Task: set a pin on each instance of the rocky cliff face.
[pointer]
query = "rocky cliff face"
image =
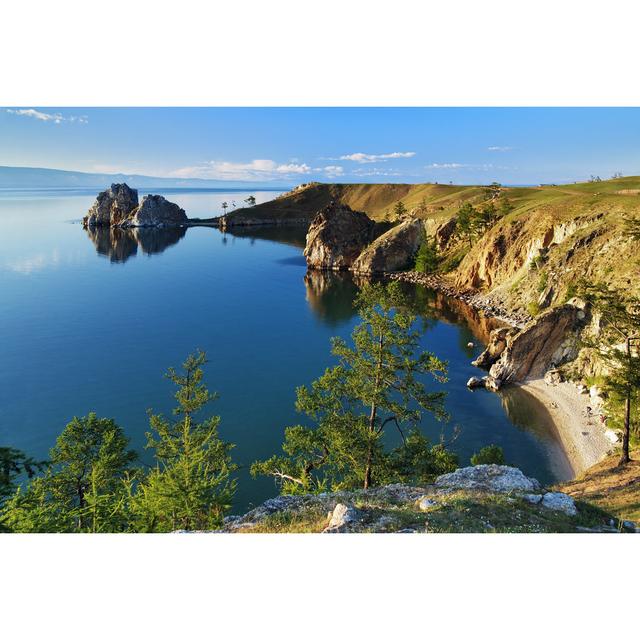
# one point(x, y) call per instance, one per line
point(337, 236)
point(118, 207)
point(112, 207)
point(156, 211)
point(544, 343)
point(394, 250)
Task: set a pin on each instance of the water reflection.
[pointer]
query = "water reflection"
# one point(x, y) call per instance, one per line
point(330, 295)
point(294, 235)
point(121, 244)
point(529, 414)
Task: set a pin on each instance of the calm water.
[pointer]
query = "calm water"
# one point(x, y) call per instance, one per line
point(89, 322)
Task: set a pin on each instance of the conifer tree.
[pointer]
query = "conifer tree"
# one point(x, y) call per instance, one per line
point(376, 386)
point(190, 487)
point(82, 490)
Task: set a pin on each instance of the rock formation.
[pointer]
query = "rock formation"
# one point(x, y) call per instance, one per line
point(518, 502)
point(112, 206)
point(392, 251)
point(156, 211)
point(337, 236)
point(495, 347)
point(118, 206)
point(540, 345)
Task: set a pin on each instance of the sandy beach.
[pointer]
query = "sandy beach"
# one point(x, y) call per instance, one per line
point(583, 436)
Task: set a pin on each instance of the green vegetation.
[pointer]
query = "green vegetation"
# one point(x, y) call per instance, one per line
point(353, 404)
point(92, 484)
point(399, 211)
point(190, 488)
point(533, 308)
point(427, 257)
point(618, 348)
point(493, 454)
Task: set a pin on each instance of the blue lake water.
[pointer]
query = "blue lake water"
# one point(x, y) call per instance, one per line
point(90, 322)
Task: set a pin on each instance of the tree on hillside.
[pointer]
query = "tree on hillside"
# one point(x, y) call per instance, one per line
point(465, 222)
point(83, 490)
point(190, 487)
point(427, 257)
point(250, 201)
point(225, 206)
point(375, 387)
point(619, 348)
point(399, 210)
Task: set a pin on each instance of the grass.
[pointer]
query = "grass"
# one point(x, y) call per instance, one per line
point(610, 487)
point(457, 512)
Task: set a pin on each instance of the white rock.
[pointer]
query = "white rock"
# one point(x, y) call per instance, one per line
point(424, 504)
point(489, 477)
point(474, 382)
point(559, 502)
point(612, 436)
point(470, 344)
point(341, 518)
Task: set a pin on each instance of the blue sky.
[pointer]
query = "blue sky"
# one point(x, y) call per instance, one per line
point(288, 146)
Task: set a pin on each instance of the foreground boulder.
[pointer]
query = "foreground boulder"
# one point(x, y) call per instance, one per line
point(156, 211)
point(394, 250)
point(337, 236)
point(489, 477)
point(112, 206)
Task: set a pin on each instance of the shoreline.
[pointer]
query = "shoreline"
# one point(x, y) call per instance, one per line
point(474, 299)
point(582, 437)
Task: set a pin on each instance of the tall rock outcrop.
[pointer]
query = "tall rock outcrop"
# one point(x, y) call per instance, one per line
point(118, 206)
point(156, 211)
point(337, 236)
point(393, 250)
point(112, 206)
point(543, 343)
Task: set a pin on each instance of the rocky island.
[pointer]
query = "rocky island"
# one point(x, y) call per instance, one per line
point(118, 206)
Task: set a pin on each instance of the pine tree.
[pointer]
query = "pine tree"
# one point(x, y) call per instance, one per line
point(190, 487)
point(618, 348)
point(427, 257)
point(374, 387)
point(83, 488)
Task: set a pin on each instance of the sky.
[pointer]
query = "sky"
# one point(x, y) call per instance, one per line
point(462, 145)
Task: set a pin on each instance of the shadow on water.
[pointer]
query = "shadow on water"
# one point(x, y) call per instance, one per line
point(330, 295)
point(294, 235)
point(121, 244)
point(528, 414)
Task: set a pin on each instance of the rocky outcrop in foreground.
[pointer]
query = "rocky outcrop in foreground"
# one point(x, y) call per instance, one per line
point(484, 498)
point(118, 206)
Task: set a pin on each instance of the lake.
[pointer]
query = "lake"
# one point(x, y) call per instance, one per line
point(90, 321)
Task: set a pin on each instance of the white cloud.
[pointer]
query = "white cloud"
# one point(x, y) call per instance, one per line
point(57, 118)
point(377, 172)
point(363, 158)
point(499, 148)
point(260, 169)
point(333, 171)
point(446, 165)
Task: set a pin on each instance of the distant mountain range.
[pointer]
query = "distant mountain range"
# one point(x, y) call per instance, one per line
point(37, 178)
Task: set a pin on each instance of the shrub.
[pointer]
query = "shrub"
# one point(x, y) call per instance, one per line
point(493, 454)
point(427, 257)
